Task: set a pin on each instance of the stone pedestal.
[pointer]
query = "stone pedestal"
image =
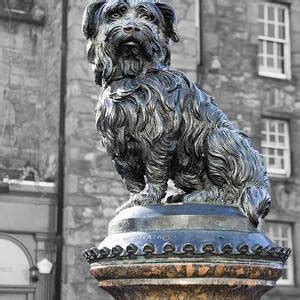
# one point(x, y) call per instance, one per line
point(185, 251)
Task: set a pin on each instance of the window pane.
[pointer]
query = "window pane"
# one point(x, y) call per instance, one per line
point(271, 30)
point(261, 28)
point(280, 49)
point(275, 146)
point(271, 151)
point(275, 231)
point(284, 274)
point(281, 15)
point(261, 8)
point(280, 152)
point(282, 164)
point(270, 62)
point(270, 49)
point(260, 61)
point(281, 127)
point(281, 33)
point(280, 234)
point(281, 139)
point(260, 47)
point(271, 13)
point(280, 64)
point(284, 231)
point(272, 126)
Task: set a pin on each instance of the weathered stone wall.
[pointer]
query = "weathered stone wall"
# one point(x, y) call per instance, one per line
point(29, 91)
point(230, 31)
point(93, 189)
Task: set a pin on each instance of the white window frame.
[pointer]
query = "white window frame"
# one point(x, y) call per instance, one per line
point(264, 70)
point(269, 226)
point(267, 144)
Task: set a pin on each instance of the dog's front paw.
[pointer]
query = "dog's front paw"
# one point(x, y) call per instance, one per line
point(150, 195)
point(196, 196)
point(176, 198)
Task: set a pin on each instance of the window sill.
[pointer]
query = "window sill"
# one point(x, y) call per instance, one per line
point(273, 75)
point(278, 176)
point(30, 186)
point(21, 17)
point(285, 284)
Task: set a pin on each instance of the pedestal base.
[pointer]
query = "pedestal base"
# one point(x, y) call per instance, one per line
point(187, 280)
point(183, 252)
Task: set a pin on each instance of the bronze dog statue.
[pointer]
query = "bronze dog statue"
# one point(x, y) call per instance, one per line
point(157, 125)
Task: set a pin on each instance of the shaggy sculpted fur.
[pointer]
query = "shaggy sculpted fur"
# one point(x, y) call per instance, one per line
point(156, 125)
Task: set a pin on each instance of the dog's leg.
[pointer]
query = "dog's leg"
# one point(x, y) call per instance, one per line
point(157, 173)
point(187, 181)
point(232, 161)
point(132, 173)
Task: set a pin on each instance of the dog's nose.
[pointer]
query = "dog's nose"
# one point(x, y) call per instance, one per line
point(131, 28)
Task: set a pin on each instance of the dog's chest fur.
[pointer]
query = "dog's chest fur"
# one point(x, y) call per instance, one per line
point(133, 114)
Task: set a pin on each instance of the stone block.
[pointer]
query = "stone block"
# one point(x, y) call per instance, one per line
point(190, 47)
point(75, 31)
point(69, 255)
point(85, 107)
point(187, 29)
point(226, 3)
point(80, 70)
point(76, 273)
point(295, 59)
point(242, 35)
point(209, 7)
point(78, 237)
point(181, 8)
point(252, 12)
point(210, 41)
point(72, 183)
point(5, 39)
point(16, 80)
point(32, 82)
point(94, 293)
point(68, 292)
point(191, 13)
point(78, 50)
point(75, 16)
point(184, 62)
point(4, 73)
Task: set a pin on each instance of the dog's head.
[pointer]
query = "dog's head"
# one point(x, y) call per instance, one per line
point(126, 37)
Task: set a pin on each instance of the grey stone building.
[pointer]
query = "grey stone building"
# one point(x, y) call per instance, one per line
point(59, 189)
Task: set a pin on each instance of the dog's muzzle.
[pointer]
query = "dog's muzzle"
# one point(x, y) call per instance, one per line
point(131, 28)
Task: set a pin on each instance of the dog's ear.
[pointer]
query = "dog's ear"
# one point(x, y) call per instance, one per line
point(89, 22)
point(169, 16)
point(91, 54)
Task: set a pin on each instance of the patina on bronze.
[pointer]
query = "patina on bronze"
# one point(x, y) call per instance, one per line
point(157, 125)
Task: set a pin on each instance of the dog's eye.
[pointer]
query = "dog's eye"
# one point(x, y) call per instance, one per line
point(115, 15)
point(147, 17)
